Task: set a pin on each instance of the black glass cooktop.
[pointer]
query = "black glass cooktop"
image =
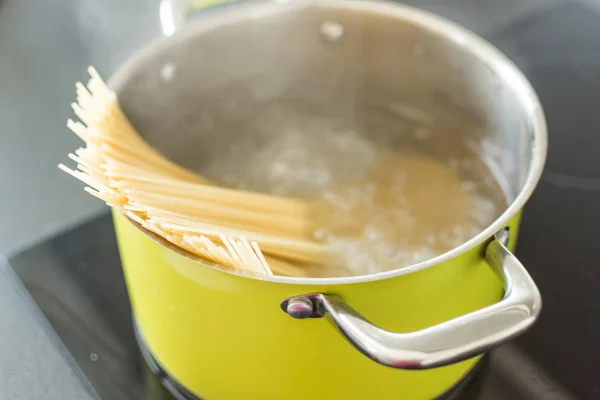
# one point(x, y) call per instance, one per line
point(76, 278)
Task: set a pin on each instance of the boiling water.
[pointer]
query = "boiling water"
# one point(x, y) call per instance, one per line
point(407, 209)
point(382, 201)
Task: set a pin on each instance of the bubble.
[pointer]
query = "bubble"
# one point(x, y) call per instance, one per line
point(332, 31)
point(167, 71)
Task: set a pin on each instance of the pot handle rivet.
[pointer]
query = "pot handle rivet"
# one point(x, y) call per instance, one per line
point(300, 308)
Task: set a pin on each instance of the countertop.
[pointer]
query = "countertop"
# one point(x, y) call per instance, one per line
point(45, 47)
point(34, 362)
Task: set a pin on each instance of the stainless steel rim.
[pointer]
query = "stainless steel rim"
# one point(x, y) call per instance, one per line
point(497, 62)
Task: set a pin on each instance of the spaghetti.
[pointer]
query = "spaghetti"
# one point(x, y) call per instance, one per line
point(121, 169)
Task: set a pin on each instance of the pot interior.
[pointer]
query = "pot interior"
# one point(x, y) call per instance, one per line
point(215, 97)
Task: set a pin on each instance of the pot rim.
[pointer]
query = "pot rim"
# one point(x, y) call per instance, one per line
point(486, 52)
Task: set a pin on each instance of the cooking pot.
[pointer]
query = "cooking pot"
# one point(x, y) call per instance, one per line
point(413, 332)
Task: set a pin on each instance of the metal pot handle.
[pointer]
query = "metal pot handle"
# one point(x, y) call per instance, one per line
point(174, 13)
point(446, 343)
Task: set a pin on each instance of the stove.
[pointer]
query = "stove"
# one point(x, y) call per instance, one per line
point(76, 279)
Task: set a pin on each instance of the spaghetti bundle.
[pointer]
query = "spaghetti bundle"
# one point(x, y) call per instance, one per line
point(227, 226)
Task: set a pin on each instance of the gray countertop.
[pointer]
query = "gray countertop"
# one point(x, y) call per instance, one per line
point(34, 362)
point(45, 46)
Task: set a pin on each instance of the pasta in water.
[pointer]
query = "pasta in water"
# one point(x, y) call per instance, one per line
point(405, 208)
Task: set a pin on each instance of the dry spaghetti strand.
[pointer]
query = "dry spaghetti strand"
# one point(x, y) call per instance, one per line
point(226, 226)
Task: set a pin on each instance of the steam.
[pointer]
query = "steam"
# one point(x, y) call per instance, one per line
point(114, 29)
